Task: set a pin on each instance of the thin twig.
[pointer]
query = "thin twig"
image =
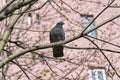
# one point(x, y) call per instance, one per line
point(91, 48)
point(51, 68)
point(58, 10)
point(104, 56)
point(104, 41)
point(17, 63)
point(97, 16)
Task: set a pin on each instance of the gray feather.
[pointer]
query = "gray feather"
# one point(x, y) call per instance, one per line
point(57, 34)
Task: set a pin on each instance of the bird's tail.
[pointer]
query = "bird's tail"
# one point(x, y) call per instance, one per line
point(58, 51)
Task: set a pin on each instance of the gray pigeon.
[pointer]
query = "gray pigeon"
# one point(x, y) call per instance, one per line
point(57, 34)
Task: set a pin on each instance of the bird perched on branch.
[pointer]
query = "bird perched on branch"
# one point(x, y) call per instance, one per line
point(57, 34)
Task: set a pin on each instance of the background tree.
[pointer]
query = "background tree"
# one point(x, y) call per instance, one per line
point(25, 47)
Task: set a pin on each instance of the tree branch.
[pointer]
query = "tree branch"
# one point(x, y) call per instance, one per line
point(104, 56)
point(13, 7)
point(10, 27)
point(8, 4)
point(91, 48)
point(104, 41)
point(97, 16)
point(2, 63)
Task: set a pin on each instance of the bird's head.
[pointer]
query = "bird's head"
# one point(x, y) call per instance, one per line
point(60, 23)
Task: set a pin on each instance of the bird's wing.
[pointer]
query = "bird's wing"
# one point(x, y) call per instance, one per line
point(56, 34)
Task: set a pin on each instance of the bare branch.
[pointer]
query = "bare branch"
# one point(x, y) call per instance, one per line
point(9, 28)
point(104, 56)
point(13, 7)
point(57, 43)
point(97, 16)
point(8, 4)
point(91, 48)
point(22, 69)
